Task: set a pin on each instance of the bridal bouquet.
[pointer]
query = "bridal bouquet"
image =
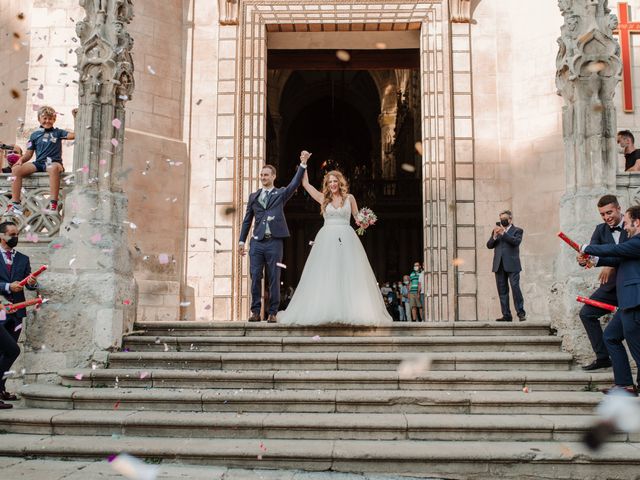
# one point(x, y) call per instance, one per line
point(365, 218)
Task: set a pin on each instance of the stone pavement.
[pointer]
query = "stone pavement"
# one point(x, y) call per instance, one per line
point(21, 469)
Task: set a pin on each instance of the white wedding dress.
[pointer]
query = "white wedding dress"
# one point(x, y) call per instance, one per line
point(337, 283)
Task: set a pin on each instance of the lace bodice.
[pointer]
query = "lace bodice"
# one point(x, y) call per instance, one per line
point(338, 216)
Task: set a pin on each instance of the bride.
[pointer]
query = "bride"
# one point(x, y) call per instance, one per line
point(337, 284)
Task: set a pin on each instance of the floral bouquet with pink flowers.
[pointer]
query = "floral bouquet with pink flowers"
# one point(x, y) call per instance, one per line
point(364, 219)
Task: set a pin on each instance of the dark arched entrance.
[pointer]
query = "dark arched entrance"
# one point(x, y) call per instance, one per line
point(334, 115)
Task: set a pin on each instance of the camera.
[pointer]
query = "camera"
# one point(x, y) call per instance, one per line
point(4, 146)
point(497, 224)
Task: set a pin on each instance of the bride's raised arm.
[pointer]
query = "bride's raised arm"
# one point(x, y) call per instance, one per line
point(311, 190)
point(354, 207)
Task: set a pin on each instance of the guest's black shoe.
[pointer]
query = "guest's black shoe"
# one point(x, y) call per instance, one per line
point(272, 318)
point(255, 317)
point(504, 319)
point(8, 396)
point(630, 389)
point(522, 317)
point(597, 365)
point(5, 406)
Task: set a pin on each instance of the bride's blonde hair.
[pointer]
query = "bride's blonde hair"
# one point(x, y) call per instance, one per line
point(344, 188)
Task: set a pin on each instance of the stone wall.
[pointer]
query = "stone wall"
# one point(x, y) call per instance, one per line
point(14, 69)
point(519, 153)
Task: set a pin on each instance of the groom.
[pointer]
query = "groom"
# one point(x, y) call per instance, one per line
point(270, 227)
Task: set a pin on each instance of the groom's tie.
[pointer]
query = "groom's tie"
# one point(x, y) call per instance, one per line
point(263, 198)
point(263, 202)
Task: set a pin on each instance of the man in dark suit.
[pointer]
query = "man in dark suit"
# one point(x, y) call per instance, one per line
point(266, 206)
point(14, 266)
point(626, 322)
point(610, 232)
point(505, 241)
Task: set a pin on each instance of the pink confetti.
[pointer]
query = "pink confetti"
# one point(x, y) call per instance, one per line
point(18, 327)
point(262, 447)
point(57, 246)
point(95, 238)
point(143, 375)
point(525, 389)
point(126, 302)
point(78, 376)
point(32, 237)
point(116, 123)
point(114, 142)
point(315, 338)
point(103, 162)
point(84, 169)
point(163, 259)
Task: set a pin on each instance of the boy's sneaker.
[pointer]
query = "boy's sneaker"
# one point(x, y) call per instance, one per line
point(14, 209)
point(52, 207)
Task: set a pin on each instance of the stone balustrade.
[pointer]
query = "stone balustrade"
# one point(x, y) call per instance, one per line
point(628, 188)
point(35, 198)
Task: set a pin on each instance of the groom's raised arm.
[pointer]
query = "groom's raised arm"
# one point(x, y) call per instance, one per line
point(297, 178)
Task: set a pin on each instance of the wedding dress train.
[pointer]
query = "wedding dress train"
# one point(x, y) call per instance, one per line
point(337, 284)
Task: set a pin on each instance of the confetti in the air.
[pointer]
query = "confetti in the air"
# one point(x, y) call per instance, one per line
point(343, 55)
point(418, 147)
point(114, 142)
point(78, 376)
point(126, 302)
point(132, 468)
point(316, 338)
point(116, 123)
point(381, 45)
point(163, 259)
point(414, 367)
point(458, 262)
point(151, 70)
point(407, 167)
point(96, 238)
point(281, 265)
point(525, 389)
point(143, 375)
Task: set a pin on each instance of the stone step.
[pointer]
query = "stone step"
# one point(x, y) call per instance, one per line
point(262, 329)
point(339, 360)
point(311, 401)
point(336, 379)
point(47, 469)
point(453, 459)
point(326, 426)
point(526, 343)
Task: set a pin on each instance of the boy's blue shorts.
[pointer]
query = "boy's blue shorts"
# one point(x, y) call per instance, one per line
point(41, 165)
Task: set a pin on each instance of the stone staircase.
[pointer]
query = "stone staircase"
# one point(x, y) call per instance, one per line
point(330, 398)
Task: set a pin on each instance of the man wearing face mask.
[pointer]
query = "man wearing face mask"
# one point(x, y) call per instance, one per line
point(14, 266)
point(626, 322)
point(626, 142)
point(505, 242)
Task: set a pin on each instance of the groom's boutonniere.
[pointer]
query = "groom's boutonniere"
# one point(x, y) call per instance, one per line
point(269, 218)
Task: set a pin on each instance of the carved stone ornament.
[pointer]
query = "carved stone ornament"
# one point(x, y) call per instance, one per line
point(104, 55)
point(228, 11)
point(460, 11)
point(588, 69)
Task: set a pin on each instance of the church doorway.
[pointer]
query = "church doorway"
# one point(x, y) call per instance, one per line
point(361, 117)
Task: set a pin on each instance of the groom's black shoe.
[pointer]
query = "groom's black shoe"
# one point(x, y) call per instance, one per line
point(598, 364)
point(272, 318)
point(255, 317)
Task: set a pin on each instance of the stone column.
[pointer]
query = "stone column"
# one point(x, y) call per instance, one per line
point(588, 71)
point(90, 284)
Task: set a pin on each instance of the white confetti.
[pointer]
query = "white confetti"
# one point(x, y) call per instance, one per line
point(134, 469)
point(412, 368)
point(281, 265)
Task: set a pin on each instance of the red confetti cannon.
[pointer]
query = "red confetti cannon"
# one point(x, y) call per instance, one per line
point(569, 242)
point(14, 307)
point(33, 275)
point(595, 303)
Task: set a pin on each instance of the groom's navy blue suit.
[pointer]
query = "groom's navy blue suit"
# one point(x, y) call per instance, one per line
point(266, 249)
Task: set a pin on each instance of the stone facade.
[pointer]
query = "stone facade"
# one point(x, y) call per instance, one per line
point(492, 123)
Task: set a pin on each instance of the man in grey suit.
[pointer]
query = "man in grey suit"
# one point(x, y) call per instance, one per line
point(505, 242)
point(265, 209)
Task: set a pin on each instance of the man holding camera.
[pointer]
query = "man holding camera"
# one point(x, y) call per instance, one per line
point(505, 242)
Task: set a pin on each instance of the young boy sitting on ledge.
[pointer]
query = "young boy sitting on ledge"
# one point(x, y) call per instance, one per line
point(46, 142)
